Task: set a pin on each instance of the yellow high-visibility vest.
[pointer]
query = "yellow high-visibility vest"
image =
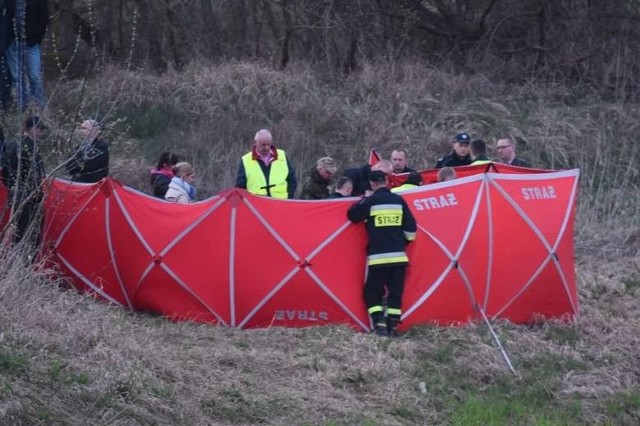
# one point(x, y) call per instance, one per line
point(278, 173)
point(404, 187)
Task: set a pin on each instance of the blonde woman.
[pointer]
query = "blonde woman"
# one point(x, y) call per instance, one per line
point(181, 189)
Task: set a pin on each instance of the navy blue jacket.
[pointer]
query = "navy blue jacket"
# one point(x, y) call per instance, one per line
point(453, 160)
point(390, 226)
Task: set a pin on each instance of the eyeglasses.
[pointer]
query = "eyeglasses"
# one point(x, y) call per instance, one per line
point(502, 147)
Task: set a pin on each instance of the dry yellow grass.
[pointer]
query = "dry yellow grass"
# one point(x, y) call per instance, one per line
point(68, 359)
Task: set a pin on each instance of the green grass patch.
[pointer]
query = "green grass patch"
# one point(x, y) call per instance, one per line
point(532, 400)
point(499, 399)
point(60, 373)
point(529, 401)
point(45, 415)
point(13, 364)
point(444, 354)
point(549, 365)
point(496, 409)
point(124, 391)
point(406, 412)
point(5, 388)
point(631, 284)
point(562, 334)
point(349, 421)
point(162, 392)
point(234, 406)
point(624, 408)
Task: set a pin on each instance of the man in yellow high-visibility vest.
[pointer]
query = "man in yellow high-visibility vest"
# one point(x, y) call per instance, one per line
point(479, 152)
point(266, 170)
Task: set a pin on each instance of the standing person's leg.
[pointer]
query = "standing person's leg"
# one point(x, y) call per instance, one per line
point(34, 72)
point(394, 301)
point(29, 223)
point(373, 292)
point(15, 58)
point(22, 221)
point(5, 84)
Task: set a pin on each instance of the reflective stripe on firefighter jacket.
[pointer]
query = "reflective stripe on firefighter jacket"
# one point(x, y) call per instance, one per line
point(390, 226)
point(276, 182)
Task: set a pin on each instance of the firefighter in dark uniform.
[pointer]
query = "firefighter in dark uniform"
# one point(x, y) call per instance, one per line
point(390, 226)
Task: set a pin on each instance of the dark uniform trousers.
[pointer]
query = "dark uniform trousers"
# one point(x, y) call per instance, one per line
point(377, 278)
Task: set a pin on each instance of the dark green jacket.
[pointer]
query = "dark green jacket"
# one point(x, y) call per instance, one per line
point(315, 187)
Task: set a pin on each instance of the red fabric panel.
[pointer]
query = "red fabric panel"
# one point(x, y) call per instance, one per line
point(201, 258)
point(445, 216)
point(431, 175)
point(278, 251)
point(75, 236)
point(161, 262)
point(483, 243)
point(4, 206)
point(534, 211)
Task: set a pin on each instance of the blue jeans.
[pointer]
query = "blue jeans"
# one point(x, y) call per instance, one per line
point(18, 53)
point(5, 84)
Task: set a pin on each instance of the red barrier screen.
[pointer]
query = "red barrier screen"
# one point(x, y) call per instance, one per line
point(498, 243)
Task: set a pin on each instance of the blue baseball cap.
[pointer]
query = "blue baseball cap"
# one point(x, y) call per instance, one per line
point(462, 138)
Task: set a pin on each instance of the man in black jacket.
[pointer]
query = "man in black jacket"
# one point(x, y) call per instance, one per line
point(399, 161)
point(90, 162)
point(506, 150)
point(28, 21)
point(358, 177)
point(344, 188)
point(460, 154)
point(390, 226)
point(23, 173)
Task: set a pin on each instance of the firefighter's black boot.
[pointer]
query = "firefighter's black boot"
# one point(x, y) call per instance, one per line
point(392, 324)
point(379, 324)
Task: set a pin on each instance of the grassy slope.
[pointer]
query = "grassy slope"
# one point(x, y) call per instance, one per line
point(67, 359)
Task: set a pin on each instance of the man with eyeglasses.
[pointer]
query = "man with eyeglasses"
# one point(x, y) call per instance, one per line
point(506, 150)
point(459, 156)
